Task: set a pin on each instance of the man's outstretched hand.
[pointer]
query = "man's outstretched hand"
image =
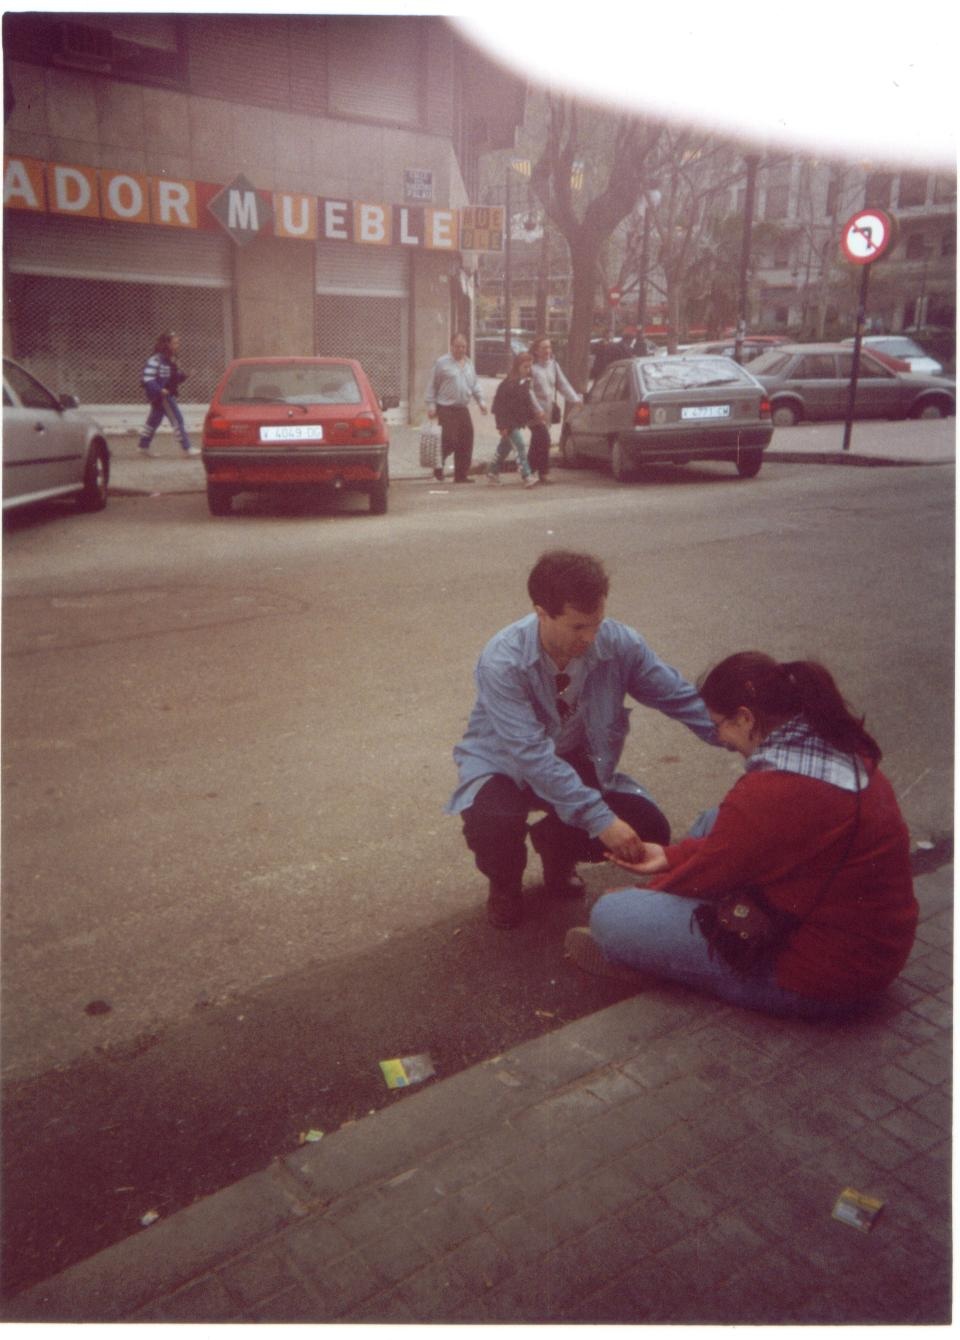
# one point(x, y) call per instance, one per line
point(621, 841)
point(652, 862)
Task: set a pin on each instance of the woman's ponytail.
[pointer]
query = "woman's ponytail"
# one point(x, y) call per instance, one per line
point(826, 711)
point(776, 691)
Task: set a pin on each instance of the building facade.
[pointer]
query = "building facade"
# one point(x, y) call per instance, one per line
point(800, 282)
point(262, 185)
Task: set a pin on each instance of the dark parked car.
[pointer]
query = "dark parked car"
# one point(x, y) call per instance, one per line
point(490, 357)
point(812, 381)
point(295, 423)
point(670, 408)
point(50, 448)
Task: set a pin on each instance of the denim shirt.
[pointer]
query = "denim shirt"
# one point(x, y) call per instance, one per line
point(514, 723)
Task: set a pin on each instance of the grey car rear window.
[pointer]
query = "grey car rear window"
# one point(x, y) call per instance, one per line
point(683, 374)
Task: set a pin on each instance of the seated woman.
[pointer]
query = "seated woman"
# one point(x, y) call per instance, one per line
point(812, 831)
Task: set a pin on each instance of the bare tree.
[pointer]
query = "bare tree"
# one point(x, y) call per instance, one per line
point(694, 181)
point(618, 150)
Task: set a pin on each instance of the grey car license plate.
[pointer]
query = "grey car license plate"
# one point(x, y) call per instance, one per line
point(705, 412)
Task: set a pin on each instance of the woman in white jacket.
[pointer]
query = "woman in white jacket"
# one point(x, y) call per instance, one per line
point(548, 382)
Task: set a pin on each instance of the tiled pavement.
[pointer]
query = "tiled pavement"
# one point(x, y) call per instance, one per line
point(664, 1160)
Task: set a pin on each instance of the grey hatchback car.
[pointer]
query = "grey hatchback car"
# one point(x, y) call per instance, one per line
point(673, 408)
point(812, 381)
point(50, 448)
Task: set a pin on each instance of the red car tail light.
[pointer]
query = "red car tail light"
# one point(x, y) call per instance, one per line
point(765, 408)
point(365, 425)
point(641, 416)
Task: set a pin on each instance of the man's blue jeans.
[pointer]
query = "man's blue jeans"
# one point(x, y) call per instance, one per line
point(164, 405)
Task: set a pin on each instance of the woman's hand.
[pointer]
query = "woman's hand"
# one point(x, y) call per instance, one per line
point(653, 861)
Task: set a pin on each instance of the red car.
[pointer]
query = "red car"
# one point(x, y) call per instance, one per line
point(295, 423)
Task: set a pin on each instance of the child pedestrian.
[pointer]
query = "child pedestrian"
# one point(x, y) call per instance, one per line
point(161, 379)
point(513, 410)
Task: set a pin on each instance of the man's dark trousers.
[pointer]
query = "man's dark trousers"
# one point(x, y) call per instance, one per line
point(456, 435)
point(495, 827)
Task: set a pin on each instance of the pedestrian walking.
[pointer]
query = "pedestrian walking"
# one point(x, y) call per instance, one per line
point(549, 384)
point(161, 380)
point(546, 733)
point(514, 410)
point(795, 897)
point(453, 384)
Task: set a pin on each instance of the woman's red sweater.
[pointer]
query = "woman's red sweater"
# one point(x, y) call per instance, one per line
point(786, 834)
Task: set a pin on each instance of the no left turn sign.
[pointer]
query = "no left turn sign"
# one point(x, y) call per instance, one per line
point(867, 236)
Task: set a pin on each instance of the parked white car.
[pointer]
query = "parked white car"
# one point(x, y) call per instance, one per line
point(904, 348)
point(50, 448)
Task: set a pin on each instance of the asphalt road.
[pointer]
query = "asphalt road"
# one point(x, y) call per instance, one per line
point(229, 887)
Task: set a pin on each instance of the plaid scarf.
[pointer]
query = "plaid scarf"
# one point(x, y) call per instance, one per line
point(793, 747)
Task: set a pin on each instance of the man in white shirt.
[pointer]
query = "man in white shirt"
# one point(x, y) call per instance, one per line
point(453, 384)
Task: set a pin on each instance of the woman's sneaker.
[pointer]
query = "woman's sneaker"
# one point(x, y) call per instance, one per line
point(580, 947)
point(531, 481)
point(493, 477)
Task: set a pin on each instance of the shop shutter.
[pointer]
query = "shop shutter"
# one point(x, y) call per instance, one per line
point(343, 267)
point(361, 310)
point(85, 249)
point(85, 302)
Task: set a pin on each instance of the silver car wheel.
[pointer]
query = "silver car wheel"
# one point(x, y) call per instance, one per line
point(621, 463)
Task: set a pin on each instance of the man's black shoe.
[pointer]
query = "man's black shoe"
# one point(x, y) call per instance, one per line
point(437, 473)
point(504, 907)
point(560, 879)
point(467, 479)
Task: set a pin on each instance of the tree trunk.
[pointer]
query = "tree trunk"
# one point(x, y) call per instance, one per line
point(583, 260)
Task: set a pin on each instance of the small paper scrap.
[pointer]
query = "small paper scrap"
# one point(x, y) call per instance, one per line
point(407, 1070)
point(311, 1137)
point(856, 1209)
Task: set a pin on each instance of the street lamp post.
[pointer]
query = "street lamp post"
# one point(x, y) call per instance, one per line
point(650, 199)
point(745, 254)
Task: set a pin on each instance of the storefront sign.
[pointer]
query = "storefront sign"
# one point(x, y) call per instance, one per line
point(418, 184)
point(481, 229)
point(245, 212)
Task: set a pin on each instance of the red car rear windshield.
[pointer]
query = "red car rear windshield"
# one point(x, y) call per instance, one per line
point(292, 384)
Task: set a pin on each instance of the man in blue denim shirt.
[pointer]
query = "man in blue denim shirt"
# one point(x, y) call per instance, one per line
point(546, 733)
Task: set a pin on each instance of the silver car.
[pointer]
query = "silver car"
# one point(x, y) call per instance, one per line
point(673, 408)
point(50, 448)
point(812, 382)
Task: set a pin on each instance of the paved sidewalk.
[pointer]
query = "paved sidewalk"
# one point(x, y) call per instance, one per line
point(928, 442)
point(666, 1159)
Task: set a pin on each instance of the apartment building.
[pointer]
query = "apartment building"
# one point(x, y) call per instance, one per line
point(261, 184)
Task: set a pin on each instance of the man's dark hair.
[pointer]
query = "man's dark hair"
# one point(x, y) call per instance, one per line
point(560, 578)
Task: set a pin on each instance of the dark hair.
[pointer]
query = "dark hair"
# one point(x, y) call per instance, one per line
point(514, 374)
point(560, 578)
point(163, 343)
point(776, 691)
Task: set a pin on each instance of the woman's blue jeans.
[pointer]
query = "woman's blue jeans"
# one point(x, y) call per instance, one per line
point(655, 933)
point(164, 405)
point(513, 440)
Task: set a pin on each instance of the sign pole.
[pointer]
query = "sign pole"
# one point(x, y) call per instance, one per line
point(866, 237)
point(857, 341)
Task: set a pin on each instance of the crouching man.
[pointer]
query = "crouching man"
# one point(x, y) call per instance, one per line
point(546, 734)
